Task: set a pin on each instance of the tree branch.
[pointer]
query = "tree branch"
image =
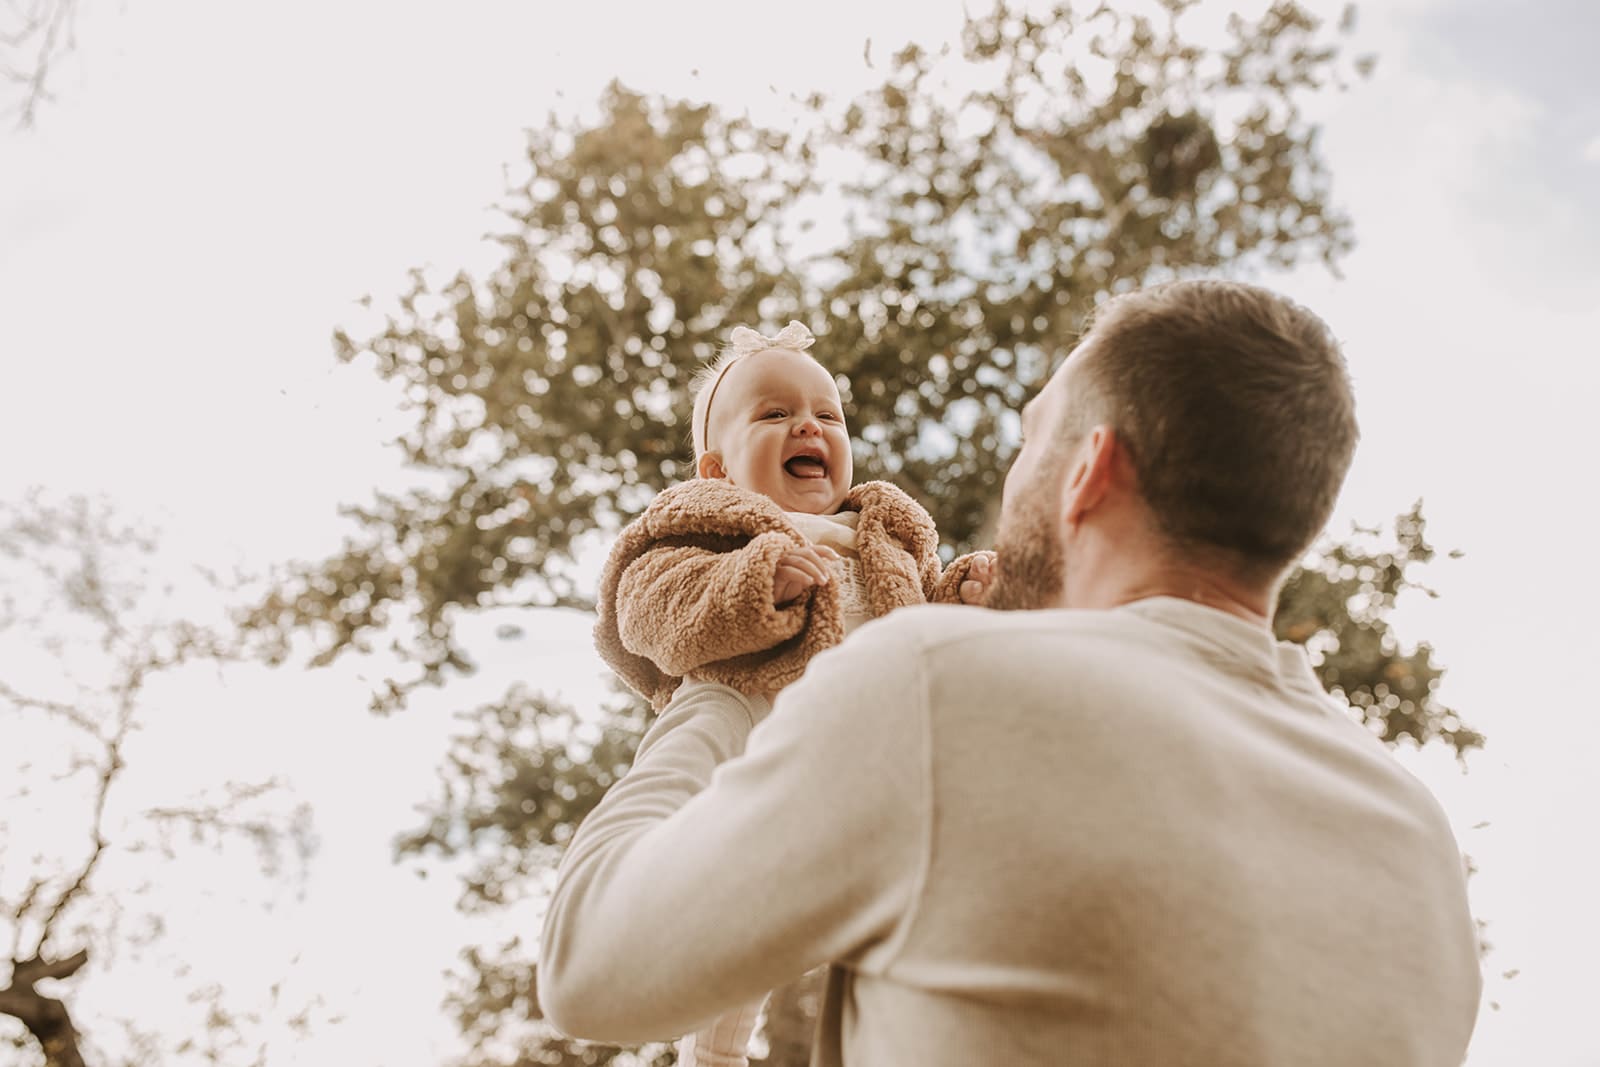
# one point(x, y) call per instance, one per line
point(46, 24)
point(65, 711)
point(108, 775)
point(30, 971)
point(22, 909)
point(46, 1018)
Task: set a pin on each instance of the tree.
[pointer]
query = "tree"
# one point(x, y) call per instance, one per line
point(34, 34)
point(85, 629)
point(945, 235)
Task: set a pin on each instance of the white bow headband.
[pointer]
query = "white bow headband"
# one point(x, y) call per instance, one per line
point(742, 342)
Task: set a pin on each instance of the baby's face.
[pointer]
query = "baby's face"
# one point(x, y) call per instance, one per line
point(777, 429)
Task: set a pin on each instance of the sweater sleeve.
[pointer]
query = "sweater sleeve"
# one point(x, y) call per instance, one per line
point(693, 888)
point(683, 605)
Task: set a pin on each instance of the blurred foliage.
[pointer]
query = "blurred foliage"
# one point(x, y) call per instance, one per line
point(496, 1005)
point(945, 235)
point(1338, 604)
point(519, 778)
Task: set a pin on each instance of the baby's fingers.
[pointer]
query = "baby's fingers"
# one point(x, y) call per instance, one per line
point(808, 561)
point(980, 575)
point(790, 583)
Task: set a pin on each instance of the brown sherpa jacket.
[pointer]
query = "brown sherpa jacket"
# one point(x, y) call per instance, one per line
point(689, 584)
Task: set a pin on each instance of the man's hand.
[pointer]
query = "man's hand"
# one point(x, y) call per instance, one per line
point(798, 570)
point(980, 575)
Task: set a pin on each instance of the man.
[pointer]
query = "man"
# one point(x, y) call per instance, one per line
point(1127, 827)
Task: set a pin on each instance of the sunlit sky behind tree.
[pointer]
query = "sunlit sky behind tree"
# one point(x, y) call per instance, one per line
point(216, 187)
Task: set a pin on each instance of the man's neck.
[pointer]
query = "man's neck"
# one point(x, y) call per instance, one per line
point(1121, 558)
point(1124, 578)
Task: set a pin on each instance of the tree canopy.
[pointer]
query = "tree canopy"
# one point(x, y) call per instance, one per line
point(944, 241)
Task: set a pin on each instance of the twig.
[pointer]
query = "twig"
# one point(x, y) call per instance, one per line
point(113, 766)
point(46, 23)
point(33, 970)
point(65, 711)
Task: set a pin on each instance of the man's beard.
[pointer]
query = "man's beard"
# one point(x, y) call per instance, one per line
point(1030, 573)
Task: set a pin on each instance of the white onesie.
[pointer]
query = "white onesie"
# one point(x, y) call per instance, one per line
point(838, 532)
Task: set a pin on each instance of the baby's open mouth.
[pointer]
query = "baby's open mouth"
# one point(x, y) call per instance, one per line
point(806, 467)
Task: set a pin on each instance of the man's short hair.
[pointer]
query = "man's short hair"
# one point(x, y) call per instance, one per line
point(1235, 406)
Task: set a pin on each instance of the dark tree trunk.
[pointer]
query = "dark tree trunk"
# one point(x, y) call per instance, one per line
point(46, 1018)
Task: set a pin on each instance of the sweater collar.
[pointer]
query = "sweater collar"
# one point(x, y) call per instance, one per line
point(1228, 639)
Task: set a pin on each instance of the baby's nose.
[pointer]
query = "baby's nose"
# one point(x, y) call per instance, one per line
point(808, 425)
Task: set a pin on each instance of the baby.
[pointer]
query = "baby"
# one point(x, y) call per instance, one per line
point(769, 556)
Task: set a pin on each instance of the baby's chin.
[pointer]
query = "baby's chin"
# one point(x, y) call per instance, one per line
point(811, 501)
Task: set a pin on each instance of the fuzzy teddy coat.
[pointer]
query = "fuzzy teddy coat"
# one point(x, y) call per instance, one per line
point(688, 586)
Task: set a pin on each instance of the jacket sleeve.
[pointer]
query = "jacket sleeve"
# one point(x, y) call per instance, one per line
point(947, 590)
point(684, 602)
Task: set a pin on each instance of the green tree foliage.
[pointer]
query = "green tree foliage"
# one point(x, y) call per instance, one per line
point(1338, 604)
point(945, 235)
point(1087, 155)
point(548, 397)
point(1090, 155)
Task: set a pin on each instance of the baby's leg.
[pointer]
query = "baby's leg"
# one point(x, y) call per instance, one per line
point(723, 1043)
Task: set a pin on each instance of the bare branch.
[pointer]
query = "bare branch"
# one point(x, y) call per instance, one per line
point(30, 971)
point(31, 22)
point(229, 817)
point(64, 711)
point(42, 36)
point(108, 775)
point(20, 911)
point(82, 591)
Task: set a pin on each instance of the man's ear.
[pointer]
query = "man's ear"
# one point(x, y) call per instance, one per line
point(709, 465)
point(1091, 473)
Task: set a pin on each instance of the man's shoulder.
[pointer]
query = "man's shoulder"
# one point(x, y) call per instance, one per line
point(970, 619)
point(937, 631)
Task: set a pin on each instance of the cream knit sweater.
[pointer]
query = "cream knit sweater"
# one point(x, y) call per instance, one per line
point(1139, 836)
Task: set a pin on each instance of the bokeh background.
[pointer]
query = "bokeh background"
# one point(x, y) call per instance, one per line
point(337, 338)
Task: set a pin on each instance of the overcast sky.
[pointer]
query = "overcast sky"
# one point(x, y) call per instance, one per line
point(219, 184)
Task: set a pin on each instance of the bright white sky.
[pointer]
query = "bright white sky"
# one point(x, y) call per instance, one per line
point(221, 183)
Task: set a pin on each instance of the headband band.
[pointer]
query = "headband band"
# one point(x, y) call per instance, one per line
point(742, 342)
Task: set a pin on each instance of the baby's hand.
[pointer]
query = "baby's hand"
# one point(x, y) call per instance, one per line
point(798, 570)
point(980, 575)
